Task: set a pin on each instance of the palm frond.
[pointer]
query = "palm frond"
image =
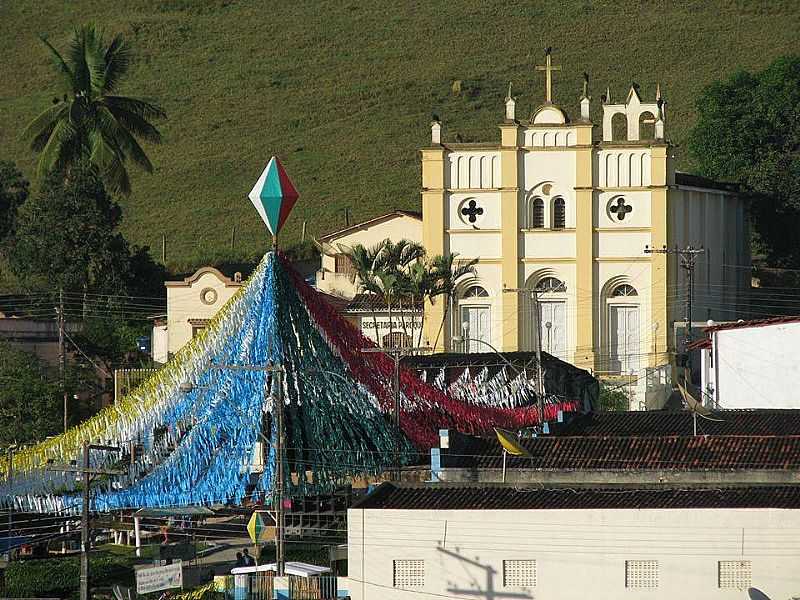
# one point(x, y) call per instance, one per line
point(116, 178)
point(81, 71)
point(63, 69)
point(54, 153)
point(136, 124)
point(129, 147)
point(137, 106)
point(40, 128)
point(117, 61)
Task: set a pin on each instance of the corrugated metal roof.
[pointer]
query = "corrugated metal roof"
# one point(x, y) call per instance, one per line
point(509, 497)
point(376, 302)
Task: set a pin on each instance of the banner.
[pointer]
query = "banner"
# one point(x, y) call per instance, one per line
point(155, 579)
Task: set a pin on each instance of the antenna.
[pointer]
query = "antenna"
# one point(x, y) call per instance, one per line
point(696, 408)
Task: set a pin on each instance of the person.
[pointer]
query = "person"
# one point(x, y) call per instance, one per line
point(240, 560)
point(249, 561)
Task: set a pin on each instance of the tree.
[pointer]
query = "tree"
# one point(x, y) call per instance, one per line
point(613, 398)
point(66, 237)
point(446, 271)
point(30, 405)
point(13, 193)
point(365, 271)
point(87, 120)
point(393, 261)
point(747, 132)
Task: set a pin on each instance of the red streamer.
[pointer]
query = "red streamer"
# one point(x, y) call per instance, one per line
point(431, 408)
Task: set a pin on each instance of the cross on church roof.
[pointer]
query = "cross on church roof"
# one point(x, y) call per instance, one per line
point(548, 68)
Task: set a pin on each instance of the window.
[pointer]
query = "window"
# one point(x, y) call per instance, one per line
point(735, 574)
point(551, 284)
point(519, 573)
point(409, 573)
point(537, 213)
point(641, 573)
point(396, 339)
point(559, 213)
point(624, 291)
point(344, 265)
point(475, 291)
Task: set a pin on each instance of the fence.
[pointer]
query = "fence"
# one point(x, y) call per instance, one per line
point(261, 586)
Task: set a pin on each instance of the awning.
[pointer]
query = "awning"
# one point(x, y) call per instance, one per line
point(186, 511)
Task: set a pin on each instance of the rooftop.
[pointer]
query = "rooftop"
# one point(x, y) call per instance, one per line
point(754, 323)
point(471, 496)
point(612, 453)
point(395, 213)
point(376, 302)
point(762, 422)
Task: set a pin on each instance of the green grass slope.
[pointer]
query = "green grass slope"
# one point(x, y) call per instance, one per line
point(343, 91)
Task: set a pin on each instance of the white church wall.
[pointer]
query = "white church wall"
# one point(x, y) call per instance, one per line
point(620, 167)
point(548, 244)
point(638, 201)
point(474, 245)
point(555, 137)
point(488, 201)
point(472, 170)
point(622, 244)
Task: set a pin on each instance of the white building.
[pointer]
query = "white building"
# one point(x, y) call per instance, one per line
point(752, 364)
point(492, 541)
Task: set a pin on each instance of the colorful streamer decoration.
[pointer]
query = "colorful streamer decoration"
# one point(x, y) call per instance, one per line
point(198, 445)
point(273, 195)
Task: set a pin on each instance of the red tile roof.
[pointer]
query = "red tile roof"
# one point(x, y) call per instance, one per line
point(657, 423)
point(678, 453)
point(471, 496)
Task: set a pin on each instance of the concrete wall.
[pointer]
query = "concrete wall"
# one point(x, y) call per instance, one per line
point(579, 554)
point(754, 367)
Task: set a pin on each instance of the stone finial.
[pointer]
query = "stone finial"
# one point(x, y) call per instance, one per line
point(511, 105)
point(436, 132)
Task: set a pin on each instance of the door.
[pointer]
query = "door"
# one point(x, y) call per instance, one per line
point(554, 328)
point(624, 326)
point(475, 321)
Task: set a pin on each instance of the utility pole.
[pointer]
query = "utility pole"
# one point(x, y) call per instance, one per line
point(688, 258)
point(537, 330)
point(87, 473)
point(280, 515)
point(62, 356)
point(397, 355)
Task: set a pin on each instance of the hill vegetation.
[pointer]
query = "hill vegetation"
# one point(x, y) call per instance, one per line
point(343, 91)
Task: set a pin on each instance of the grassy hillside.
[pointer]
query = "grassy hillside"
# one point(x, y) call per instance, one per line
point(343, 91)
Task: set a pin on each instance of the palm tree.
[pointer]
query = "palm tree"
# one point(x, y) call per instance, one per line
point(88, 121)
point(418, 283)
point(393, 261)
point(365, 269)
point(446, 270)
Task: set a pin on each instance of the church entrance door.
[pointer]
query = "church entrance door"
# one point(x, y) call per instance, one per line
point(476, 324)
point(624, 326)
point(554, 328)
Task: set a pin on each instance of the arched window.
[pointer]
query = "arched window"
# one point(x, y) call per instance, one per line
point(624, 291)
point(619, 127)
point(647, 126)
point(551, 285)
point(559, 213)
point(537, 213)
point(475, 291)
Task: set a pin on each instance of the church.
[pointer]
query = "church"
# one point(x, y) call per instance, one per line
point(571, 211)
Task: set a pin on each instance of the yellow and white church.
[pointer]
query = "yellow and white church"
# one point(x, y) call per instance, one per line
point(553, 207)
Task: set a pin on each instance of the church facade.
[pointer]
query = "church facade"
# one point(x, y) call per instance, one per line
point(551, 208)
